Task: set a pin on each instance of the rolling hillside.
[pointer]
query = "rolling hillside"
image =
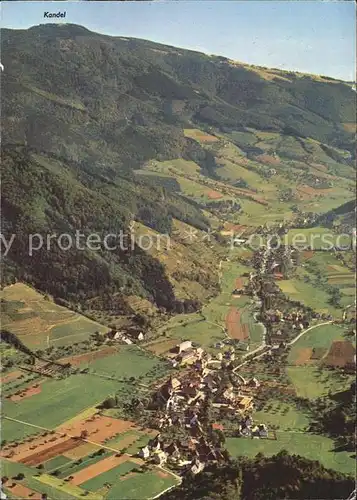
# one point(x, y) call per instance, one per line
point(102, 131)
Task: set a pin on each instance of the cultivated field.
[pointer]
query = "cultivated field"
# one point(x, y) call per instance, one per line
point(236, 328)
point(199, 135)
point(319, 337)
point(39, 322)
point(60, 400)
point(85, 454)
point(341, 354)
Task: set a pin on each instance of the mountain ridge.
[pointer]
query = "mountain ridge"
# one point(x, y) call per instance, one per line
point(95, 110)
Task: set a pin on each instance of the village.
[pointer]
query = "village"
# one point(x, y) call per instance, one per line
point(209, 398)
point(187, 405)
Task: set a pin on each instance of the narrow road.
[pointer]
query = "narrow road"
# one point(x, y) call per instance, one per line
point(288, 343)
point(307, 330)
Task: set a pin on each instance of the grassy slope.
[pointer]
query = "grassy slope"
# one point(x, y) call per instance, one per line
point(207, 328)
point(322, 336)
point(27, 314)
point(300, 443)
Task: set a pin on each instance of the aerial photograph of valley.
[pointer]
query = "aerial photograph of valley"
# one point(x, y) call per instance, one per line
point(178, 250)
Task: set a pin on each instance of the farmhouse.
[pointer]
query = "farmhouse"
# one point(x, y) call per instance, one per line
point(184, 346)
point(188, 356)
point(144, 452)
point(254, 383)
point(160, 457)
point(197, 466)
point(245, 403)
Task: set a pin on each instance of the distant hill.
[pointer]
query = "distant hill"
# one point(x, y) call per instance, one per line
point(124, 100)
point(344, 216)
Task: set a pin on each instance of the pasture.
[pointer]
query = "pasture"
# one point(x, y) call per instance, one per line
point(284, 415)
point(312, 382)
point(309, 294)
point(308, 445)
point(130, 361)
point(39, 322)
point(319, 337)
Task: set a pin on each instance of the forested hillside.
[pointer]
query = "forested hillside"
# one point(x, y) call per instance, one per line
point(44, 195)
point(84, 113)
point(283, 476)
point(123, 101)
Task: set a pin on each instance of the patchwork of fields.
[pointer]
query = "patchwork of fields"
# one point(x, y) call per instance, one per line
point(218, 318)
point(309, 362)
point(67, 448)
point(39, 322)
point(61, 399)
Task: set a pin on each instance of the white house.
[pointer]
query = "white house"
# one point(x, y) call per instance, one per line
point(160, 457)
point(144, 452)
point(254, 382)
point(187, 344)
point(197, 467)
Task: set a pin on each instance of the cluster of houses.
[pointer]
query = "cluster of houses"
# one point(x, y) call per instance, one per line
point(185, 354)
point(205, 378)
point(122, 336)
point(297, 318)
point(182, 400)
point(188, 454)
point(247, 428)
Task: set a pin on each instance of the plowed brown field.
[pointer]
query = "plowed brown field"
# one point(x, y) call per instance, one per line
point(214, 195)
point(98, 468)
point(341, 353)
point(22, 492)
point(98, 427)
point(235, 329)
point(57, 449)
point(304, 356)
